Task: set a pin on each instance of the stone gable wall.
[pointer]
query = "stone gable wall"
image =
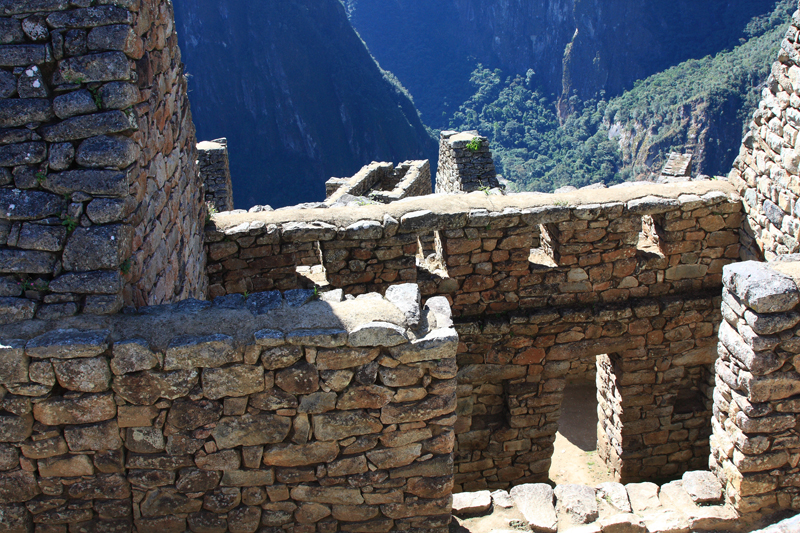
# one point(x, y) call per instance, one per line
point(99, 200)
point(215, 173)
point(279, 411)
point(465, 163)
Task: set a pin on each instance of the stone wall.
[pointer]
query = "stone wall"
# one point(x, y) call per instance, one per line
point(756, 408)
point(215, 173)
point(267, 412)
point(766, 170)
point(629, 287)
point(381, 182)
point(465, 163)
point(99, 200)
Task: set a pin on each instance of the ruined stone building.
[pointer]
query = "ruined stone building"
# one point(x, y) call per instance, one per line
point(165, 370)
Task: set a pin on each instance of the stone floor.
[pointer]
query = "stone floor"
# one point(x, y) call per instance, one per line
point(693, 503)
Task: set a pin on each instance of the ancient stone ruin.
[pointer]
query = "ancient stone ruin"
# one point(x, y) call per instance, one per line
point(161, 373)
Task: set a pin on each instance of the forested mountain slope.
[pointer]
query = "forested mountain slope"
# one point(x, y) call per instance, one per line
point(297, 94)
point(575, 47)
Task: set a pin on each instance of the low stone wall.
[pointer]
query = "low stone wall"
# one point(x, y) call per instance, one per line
point(233, 416)
point(591, 241)
point(99, 203)
point(465, 163)
point(757, 397)
point(215, 173)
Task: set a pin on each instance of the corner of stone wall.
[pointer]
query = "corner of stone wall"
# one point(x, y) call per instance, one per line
point(465, 163)
point(766, 172)
point(215, 173)
point(99, 200)
point(754, 444)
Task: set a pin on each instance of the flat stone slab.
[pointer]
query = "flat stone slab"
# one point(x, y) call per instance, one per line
point(666, 521)
point(622, 523)
point(576, 504)
point(501, 498)
point(643, 497)
point(614, 496)
point(470, 503)
point(702, 487)
point(535, 502)
point(761, 286)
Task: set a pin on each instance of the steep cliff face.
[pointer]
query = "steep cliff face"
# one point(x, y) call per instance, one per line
point(576, 47)
point(296, 93)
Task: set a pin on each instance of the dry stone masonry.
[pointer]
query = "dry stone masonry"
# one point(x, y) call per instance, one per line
point(262, 413)
point(465, 163)
point(99, 199)
point(766, 171)
point(215, 173)
point(755, 445)
point(382, 183)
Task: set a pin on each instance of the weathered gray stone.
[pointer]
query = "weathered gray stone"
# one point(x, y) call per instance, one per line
point(16, 310)
point(340, 425)
point(343, 358)
point(22, 154)
point(300, 378)
point(260, 303)
point(42, 238)
point(767, 324)
point(132, 356)
point(73, 103)
point(251, 430)
point(615, 495)
point(15, 428)
point(439, 344)
point(105, 210)
point(90, 17)
point(21, 55)
point(329, 495)
point(31, 84)
point(290, 455)
point(233, 381)
point(651, 205)
point(575, 504)
point(95, 437)
point(759, 363)
point(187, 352)
point(13, 361)
point(535, 502)
point(760, 287)
point(29, 205)
point(144, 440)
point(102, 304)
point(119, 95)
point(196, 480)
point(490, 373)
point(26, 262)
point(85, 126)
point(422, 410)
point(97, 282)
point(68, 344)
point(273, 399)
point(9, 457)
point(702, 487)
point(307, 231)
point(17, 487)
point(643, 497)
point(247, 478)
point(66, 466)
point(119, 37)
point(364, 397)
point(164, 502)
point(223, 460)
point(318, 402)
point(94, 182)
point(377, 334)
point(401, 376)
point(407, 298)
point(15, 518)
point(86, 409)
point(106, 66)
point(8, 84)
point(419, 222)
point(21, 111)
point(471, 503)
point(105, 151)
point(324, 338)
point(84, 374)
point(189, 415)
point(271, 338)
point(145, 388)
point(40, 449)
point(97, 248)
point(10, 31)
point(622, 523)
point(390, 458)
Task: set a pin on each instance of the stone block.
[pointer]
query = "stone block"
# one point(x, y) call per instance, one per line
point(97, 248)
point(13, 362)
point(251, 430)
point(535, 502)
point(233, 381)
point(68, 344)
point(83, 374)
point(188, 352)
point(760, 287)
point(86, 409)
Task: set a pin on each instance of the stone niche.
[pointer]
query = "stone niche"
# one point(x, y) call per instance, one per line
point(100, 204)
point(249, 412)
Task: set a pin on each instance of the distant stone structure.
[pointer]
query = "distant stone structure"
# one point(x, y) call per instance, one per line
point(465, 163)
point(678, 166)
point(215, 173)
point(381, 182)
